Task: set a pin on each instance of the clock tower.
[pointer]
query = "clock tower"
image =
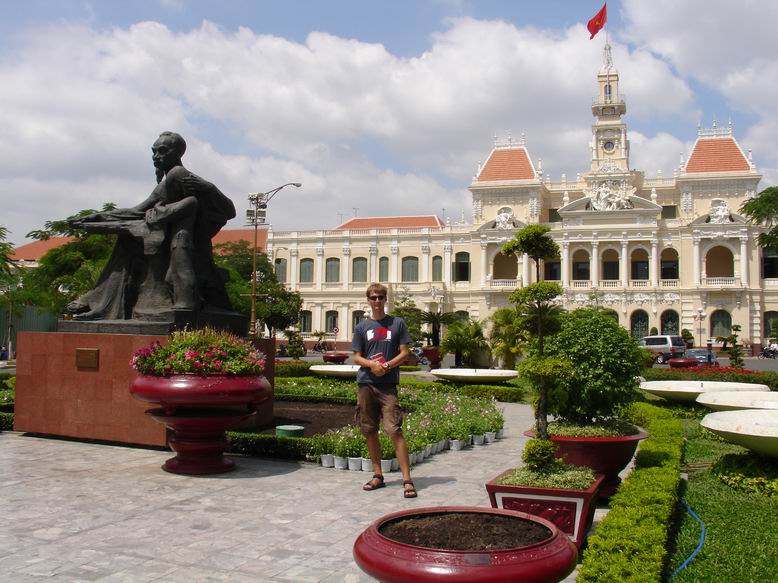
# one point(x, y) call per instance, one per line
point(609, 145)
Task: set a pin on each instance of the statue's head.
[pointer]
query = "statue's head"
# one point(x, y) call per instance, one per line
point(167, 151)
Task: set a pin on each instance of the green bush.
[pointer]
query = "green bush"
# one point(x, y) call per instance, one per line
point(257, 444)
point(748, 472)
point(6, 421)
point(605, 362)
point(538, 454)
point(631, 543)
point(294, 368)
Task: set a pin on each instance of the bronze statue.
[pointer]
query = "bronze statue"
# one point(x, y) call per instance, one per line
point(163, 259)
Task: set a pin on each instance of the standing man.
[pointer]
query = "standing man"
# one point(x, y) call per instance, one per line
point(380, 344)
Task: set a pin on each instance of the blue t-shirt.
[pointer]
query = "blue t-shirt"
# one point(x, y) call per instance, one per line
point(372, 337)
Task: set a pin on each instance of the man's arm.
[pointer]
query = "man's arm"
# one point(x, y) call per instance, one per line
point(375, 367)
point(401, 357)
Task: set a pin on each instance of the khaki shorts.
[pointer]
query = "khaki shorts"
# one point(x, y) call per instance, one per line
point(376, 402)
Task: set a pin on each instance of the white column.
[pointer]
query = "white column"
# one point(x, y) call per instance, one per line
point(447, 249)
point(744, 260)
point(345, 268)
point(654, 264)
point(696, 261)
point(525, 275)
point(394, 264)
point(373, 276)
point(316, 317)
point(425, 264)
point(319, 267)
point(484, 265)
point(594, 264)
point(293, 267)
point(624, 265)
point(565, 264)
point(343, 323)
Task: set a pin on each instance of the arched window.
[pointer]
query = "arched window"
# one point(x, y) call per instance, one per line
point(462, 315)
point(383, 269)
point(608, 92)
point(669, 322)
point(359, 270)
point(332, 271)
point(505, 267)
point(280, 270)
point(669, 264)
point(552, 270)
point(719, 262)
point(330, 321)
point(306, 270)
point(410, 269)
point(720, 323)
point(306, 319)
point(639, 264)
point(638, 324)
point(356, 317)
point(462, 266)
point(610, 265)
point(437, 268)
point(770, 325)
point(580, 266)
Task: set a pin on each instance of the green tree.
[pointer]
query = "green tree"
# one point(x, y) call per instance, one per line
point(763, 209)
point(295, 345)
point(436, 321)
point(465, 337)
point(539, 313)
point(6, 250)
point(734, 348)
point(507, 336)
point(276, 307)
point(404, 307)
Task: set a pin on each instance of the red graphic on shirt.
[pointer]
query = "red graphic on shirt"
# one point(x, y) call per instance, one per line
point(378, 334)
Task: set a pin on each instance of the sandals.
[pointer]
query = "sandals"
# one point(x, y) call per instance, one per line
point(373, 485)
point(409, 492)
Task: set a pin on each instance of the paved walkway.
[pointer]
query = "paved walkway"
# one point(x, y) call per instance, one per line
point(83, 512)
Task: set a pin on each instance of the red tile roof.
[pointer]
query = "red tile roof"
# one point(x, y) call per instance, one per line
point(507, 164)
point(411, 221)
point(37, 249)
point(717, 155)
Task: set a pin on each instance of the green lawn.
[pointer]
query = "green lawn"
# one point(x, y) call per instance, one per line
point(741, 544)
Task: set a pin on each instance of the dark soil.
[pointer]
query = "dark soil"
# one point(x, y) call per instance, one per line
point(314, 417)
point(465, 531)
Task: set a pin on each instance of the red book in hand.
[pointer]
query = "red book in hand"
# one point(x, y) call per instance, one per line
point(378, 358)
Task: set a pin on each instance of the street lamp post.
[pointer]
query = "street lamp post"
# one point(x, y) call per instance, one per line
point(699, 317)
point(259, 201)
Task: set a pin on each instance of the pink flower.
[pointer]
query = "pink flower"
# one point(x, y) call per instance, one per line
point(190, 355)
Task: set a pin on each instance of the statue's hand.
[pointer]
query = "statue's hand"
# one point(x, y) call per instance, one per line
point(156, 214)
point(79, 221)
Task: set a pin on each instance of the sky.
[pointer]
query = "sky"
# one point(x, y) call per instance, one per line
point(376, 107)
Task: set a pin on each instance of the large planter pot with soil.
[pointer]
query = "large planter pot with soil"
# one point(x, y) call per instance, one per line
point(605, 455)
point(571, 511)
point(199, 409)
point(462, 544)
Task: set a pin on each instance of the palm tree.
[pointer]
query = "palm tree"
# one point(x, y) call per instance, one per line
point(437, 320)
point(507, 336)
point(465, 337)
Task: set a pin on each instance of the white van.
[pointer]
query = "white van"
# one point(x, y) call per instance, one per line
point(665, 346)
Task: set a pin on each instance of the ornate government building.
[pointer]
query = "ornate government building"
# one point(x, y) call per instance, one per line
point(666, 252)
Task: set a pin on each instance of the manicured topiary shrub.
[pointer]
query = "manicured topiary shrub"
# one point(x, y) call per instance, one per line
point(294, 368)
point(605, 361)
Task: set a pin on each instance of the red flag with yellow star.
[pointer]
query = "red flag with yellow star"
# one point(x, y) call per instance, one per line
point(599, 20)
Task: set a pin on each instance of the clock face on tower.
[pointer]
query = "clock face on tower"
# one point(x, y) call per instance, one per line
point(608, 146)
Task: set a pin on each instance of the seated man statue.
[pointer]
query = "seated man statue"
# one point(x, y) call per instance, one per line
point(163, 257)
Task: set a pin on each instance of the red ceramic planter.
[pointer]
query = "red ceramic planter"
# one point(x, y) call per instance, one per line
point(335, 357)
point(199, 410)
point(605, 455)
point(432, 353)
point(394, 562)
point(571, 511)
point(682, 362)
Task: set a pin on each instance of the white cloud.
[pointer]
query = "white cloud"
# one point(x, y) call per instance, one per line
point(359, 127)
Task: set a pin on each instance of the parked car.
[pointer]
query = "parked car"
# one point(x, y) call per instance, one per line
point(665, 346)
point(703, 356)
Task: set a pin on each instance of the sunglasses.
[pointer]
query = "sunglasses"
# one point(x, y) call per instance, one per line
point(376, 298)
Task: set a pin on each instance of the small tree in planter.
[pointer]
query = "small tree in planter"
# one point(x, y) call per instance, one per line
point(436, 320)
point(688, 337)
point(507, 336)
point(465, 337)
point(295, 346)
point(734, 350)
point(605, 362)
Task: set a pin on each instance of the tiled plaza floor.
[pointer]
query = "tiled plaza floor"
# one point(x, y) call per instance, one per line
point(74, 511)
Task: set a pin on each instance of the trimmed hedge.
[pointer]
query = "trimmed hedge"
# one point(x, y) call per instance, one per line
point(294, 368)
point(505, 393)
point(631, 543)
point(6, 421)
point(257, 444)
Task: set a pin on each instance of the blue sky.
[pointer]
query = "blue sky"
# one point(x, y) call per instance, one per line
point(384, 106)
